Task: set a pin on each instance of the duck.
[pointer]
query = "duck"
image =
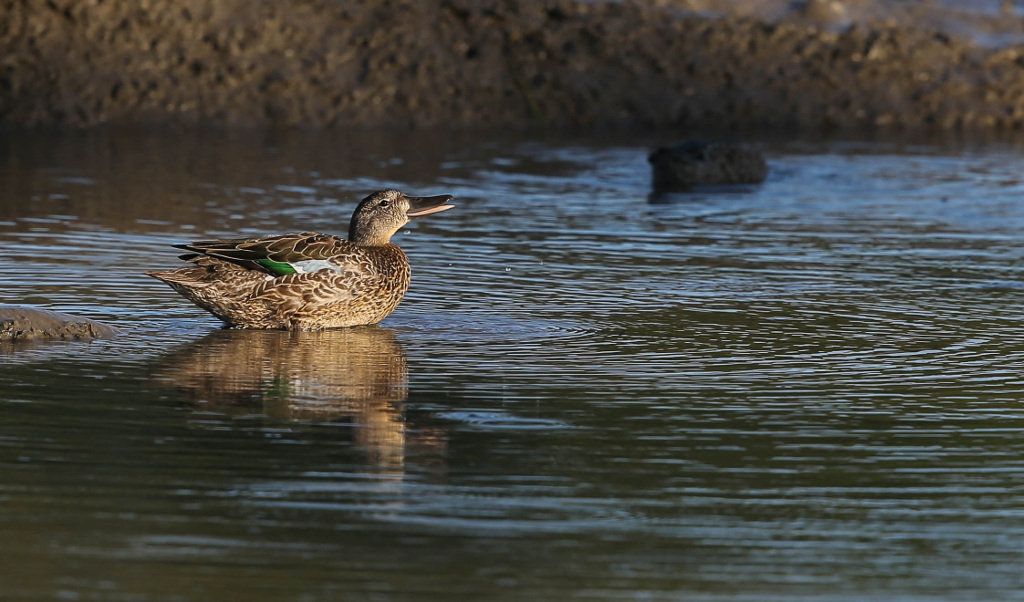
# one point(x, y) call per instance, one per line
point(306, 280)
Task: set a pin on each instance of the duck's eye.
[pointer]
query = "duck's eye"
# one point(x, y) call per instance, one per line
point(384, 203)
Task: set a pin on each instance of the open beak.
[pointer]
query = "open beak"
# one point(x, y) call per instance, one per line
point(425, 205)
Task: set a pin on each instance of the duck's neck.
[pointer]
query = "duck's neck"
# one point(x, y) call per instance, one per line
point(368, 239)
point(370, 243)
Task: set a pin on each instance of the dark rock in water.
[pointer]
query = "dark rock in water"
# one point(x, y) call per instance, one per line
point(701, 163)
point(25, 323)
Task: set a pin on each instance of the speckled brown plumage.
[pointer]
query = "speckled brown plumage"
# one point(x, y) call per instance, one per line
point(332, 282)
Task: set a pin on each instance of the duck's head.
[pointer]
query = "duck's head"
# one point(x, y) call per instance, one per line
point(384, 212)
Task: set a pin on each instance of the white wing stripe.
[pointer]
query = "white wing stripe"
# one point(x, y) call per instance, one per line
point(315, 265)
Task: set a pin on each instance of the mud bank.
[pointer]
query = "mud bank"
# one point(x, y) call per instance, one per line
point(26, 323)
point(322, 63)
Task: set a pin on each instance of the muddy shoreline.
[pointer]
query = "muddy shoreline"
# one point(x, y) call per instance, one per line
point(487, 63)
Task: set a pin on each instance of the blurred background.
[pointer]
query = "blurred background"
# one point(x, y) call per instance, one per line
point(642, 63)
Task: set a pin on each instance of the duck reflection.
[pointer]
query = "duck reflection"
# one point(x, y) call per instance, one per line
point(359, 374)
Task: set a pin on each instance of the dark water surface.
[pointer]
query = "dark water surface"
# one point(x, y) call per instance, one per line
point(810, 389)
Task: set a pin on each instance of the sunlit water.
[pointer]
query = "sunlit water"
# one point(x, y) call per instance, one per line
point(809, 389)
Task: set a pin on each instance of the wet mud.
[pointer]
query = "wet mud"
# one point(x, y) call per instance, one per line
point(473, 63)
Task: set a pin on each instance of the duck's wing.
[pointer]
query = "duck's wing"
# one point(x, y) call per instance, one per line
point(297, 253)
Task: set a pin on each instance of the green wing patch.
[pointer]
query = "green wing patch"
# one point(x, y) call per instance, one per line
point(277, 268)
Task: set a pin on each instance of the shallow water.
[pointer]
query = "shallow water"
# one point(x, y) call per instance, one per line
point(809, 389)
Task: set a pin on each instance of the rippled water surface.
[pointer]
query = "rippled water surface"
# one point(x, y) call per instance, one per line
point(809, 389)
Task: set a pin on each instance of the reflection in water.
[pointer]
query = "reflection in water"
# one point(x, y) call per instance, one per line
point(701, 194)
point(354, 373)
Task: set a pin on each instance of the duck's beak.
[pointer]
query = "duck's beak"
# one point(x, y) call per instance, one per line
point(425, 205)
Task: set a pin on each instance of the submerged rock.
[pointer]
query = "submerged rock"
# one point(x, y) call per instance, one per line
point(26, 323)
point(702, 163)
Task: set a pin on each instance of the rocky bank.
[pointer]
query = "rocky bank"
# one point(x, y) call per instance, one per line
point(562, 63)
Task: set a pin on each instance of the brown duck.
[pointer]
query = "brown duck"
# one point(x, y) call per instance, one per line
point(307, 281)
